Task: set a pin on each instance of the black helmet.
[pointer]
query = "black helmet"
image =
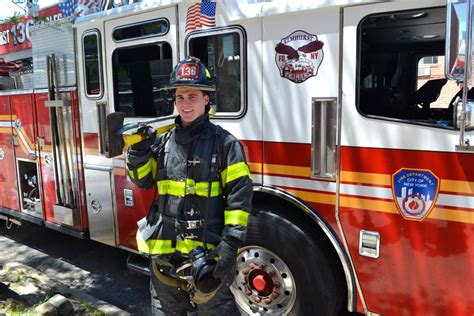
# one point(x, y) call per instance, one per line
point(191, 72)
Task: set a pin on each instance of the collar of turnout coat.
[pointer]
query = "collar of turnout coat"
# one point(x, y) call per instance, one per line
point(197, 128)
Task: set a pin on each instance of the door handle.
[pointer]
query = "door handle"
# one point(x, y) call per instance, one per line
point(324, 138)
point(101, 116)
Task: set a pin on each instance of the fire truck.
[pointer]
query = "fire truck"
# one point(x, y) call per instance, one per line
point(353, 116)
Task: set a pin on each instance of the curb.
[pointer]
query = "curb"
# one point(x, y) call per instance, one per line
point(102, 306)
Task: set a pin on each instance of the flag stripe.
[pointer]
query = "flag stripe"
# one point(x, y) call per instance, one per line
point(201, 15)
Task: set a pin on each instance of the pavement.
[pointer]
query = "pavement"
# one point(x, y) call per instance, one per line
point(25, 290)
point(37, 263)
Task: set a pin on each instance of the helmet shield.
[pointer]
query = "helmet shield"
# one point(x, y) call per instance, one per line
point(191, 72)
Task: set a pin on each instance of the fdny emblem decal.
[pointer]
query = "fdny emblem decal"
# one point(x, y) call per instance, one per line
point(298, 56)
point(415, 192)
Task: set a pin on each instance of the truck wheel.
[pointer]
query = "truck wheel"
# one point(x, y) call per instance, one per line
point(283, 271)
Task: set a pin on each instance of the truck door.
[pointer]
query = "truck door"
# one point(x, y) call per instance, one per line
point(405, 193)
point(94, 107)
point(140, 52)
point(8, 178)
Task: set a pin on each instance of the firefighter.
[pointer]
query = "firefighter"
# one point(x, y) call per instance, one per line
point(194, 230)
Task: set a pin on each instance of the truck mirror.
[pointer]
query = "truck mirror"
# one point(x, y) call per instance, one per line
point(456, 38)
point(114, 142)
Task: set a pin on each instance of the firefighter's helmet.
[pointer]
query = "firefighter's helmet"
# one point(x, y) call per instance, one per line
point(191, 72)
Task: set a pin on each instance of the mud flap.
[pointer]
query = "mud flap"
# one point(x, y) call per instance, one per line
point(114, 142)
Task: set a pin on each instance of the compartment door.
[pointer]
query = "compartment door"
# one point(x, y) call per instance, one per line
point(100, 204)
point(9, 200)
point(26, 152)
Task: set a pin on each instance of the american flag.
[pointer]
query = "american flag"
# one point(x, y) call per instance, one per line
point(82, 7)
point(201, 14)
point(68, 7)
point(101, 5)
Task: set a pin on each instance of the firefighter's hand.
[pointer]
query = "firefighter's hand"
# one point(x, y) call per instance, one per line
point(148, 138)
point(226, 256)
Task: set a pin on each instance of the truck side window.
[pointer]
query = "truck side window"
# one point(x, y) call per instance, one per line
point(222, 51)
point(92, 64)
point(401, 68)
point(139, 75)
point(144, 29)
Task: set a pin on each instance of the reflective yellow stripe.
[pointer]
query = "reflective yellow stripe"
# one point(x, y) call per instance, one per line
point(164, 129)
point(202, 188)
point(186, 245)
point(171, 187)
point(163, 247)
point(144, 170)
point(154, 246)
point(181, 188)
point(132, 139)
point(236, 217)
point(235, 171)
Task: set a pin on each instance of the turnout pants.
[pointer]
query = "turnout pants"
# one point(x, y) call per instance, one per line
point(171, 301)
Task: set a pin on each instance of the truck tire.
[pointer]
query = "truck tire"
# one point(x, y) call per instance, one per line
point(282, 270)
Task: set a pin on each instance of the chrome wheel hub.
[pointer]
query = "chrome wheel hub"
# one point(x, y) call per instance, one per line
point(263, 282)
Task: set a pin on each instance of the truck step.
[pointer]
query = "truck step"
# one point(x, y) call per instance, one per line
point(138, 264)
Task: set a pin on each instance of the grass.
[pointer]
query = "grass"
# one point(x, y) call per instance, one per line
point(14, 307)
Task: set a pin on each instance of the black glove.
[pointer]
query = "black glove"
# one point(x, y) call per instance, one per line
point(144, 146)
point(227, 256)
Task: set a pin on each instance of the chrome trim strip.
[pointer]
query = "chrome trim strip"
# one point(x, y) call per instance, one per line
point(60, 89)
point(341, 253)
point(67, 230)
point(119, 163)
point(351, 305)
point(16, 91)
point(98, 168)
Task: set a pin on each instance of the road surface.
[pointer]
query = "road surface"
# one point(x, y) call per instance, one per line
point(97, 269)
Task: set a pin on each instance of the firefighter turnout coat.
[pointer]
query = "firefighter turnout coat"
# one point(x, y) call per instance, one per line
point(204, 186)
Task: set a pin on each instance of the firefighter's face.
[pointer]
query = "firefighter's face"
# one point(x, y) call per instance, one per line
point(190, 103)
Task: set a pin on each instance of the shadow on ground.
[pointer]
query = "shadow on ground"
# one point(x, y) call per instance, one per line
point(98, 269)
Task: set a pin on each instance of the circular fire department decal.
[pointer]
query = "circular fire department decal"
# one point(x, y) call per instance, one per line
point(415, 192)
point(298, 56)
point(2, 154)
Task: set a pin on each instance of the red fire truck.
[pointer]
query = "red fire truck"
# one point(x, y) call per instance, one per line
point(352, 114)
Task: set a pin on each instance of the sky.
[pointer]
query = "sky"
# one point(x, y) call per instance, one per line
point(9, 8)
